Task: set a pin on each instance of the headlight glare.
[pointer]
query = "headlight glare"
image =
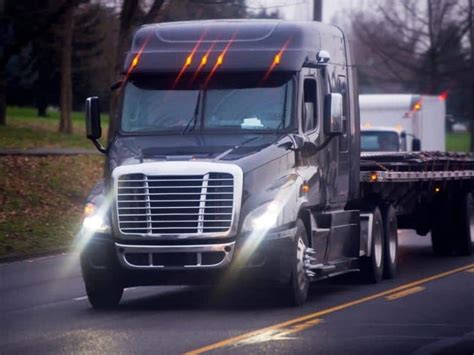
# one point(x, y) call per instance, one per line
point(263, 217)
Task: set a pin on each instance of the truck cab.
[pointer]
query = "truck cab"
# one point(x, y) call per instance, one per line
point(383, 139)
point(235, 156)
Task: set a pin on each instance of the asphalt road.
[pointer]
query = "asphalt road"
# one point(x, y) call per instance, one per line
point(427, 309)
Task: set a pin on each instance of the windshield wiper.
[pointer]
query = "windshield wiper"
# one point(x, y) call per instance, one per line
point(195, 115)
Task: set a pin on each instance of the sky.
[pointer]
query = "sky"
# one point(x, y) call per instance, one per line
point(303, 10)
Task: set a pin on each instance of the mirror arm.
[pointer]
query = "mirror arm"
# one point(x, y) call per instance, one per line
point(316, 148)
point(100, 147)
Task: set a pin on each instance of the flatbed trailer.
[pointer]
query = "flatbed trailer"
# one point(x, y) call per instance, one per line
point(430, 191)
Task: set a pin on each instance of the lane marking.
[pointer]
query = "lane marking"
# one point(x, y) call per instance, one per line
point(404, 293)
point(471, 270)
point(233, 341)
point(279, 334)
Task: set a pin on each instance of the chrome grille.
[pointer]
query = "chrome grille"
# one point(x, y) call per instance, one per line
point(175, 204)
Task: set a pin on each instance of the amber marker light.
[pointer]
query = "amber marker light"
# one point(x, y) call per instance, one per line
point(202, 63)
point(136, 58)
point(276, 60)
point(220, 59)
point(188, 61)
point(305, 188)
point(374, 177)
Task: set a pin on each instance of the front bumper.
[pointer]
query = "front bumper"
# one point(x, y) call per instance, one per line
point(137, 265)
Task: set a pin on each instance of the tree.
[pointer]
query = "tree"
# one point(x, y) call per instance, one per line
point(416, 46)
point(22, 21)
point(65, 101)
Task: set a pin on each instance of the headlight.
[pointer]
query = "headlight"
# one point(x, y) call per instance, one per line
point(95, 220)
point(263, 217)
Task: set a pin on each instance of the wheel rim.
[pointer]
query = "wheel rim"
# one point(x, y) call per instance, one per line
point(393, 241)
point(378, 245)
point(300, 273)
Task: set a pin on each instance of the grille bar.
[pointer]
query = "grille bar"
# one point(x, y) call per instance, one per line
point(172, 204)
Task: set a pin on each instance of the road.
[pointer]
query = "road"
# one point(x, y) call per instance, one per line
point(427, 309)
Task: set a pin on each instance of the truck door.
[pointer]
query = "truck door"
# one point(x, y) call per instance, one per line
point(341, 188)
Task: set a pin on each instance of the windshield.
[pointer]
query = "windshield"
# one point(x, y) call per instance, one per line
point(230, 103)
point(374, 141)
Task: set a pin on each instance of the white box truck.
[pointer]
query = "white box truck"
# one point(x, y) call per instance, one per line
point(402, 122)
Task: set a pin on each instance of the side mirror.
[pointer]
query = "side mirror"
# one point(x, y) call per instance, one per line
point(416, 145)
point(93, 128)
point(333, 114)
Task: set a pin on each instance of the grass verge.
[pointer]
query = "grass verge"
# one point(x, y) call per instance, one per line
point(25, 130)
point(41, 201)
point(458, 142)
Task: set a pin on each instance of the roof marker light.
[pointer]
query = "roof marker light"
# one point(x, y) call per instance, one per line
point(189, 60)
point(220, 59)
point(277, 58)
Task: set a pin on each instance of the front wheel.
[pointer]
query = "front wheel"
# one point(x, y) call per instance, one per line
point(104, 290)
point(297, 289)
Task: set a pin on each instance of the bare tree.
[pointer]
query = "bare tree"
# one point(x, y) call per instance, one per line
point(132, 15)
point(65, 102)
point(417, 46)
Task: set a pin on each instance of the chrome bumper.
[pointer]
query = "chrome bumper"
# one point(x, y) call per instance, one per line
point(174, 257)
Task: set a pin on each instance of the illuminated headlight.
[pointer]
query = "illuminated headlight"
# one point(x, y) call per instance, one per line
point(95, 220)
point(263, 217)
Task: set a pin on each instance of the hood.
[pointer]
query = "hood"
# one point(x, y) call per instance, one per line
point(246, 150)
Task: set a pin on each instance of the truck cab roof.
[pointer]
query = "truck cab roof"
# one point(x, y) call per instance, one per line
point(232, 45)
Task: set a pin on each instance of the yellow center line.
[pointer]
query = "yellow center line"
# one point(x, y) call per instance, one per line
point(407, 292)
point(311, 316)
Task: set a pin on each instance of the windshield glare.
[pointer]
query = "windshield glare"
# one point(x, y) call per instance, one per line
point(378, 141)
point(230, 103)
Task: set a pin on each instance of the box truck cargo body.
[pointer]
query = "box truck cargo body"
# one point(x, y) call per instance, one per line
point(420, 117)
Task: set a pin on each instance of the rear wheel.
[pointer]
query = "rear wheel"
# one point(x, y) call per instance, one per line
point(390, 229)
point(462, 244)
point(296, 290)
point(442, 222)
point(372, 266)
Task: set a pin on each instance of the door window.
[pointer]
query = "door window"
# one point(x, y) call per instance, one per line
point(310, 109)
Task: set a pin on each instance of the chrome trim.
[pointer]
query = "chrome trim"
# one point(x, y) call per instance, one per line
point(181, 168)
point(226, 248)
point(366, 221)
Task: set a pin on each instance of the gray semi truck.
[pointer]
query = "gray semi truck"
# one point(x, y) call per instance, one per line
point(236, 157)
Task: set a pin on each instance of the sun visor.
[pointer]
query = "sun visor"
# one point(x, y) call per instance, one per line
point(228, 46)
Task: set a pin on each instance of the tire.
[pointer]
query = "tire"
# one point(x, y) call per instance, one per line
point(462, 244)
point(390, 230)
point(104, 290)
point(296, 291)
point(372, 267)
point(442, 226)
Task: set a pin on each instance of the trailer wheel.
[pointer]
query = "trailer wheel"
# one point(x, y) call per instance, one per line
point(390, 229)
point(296, 291)
point(462, 244)
point(442, 226)
point(372, 266)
